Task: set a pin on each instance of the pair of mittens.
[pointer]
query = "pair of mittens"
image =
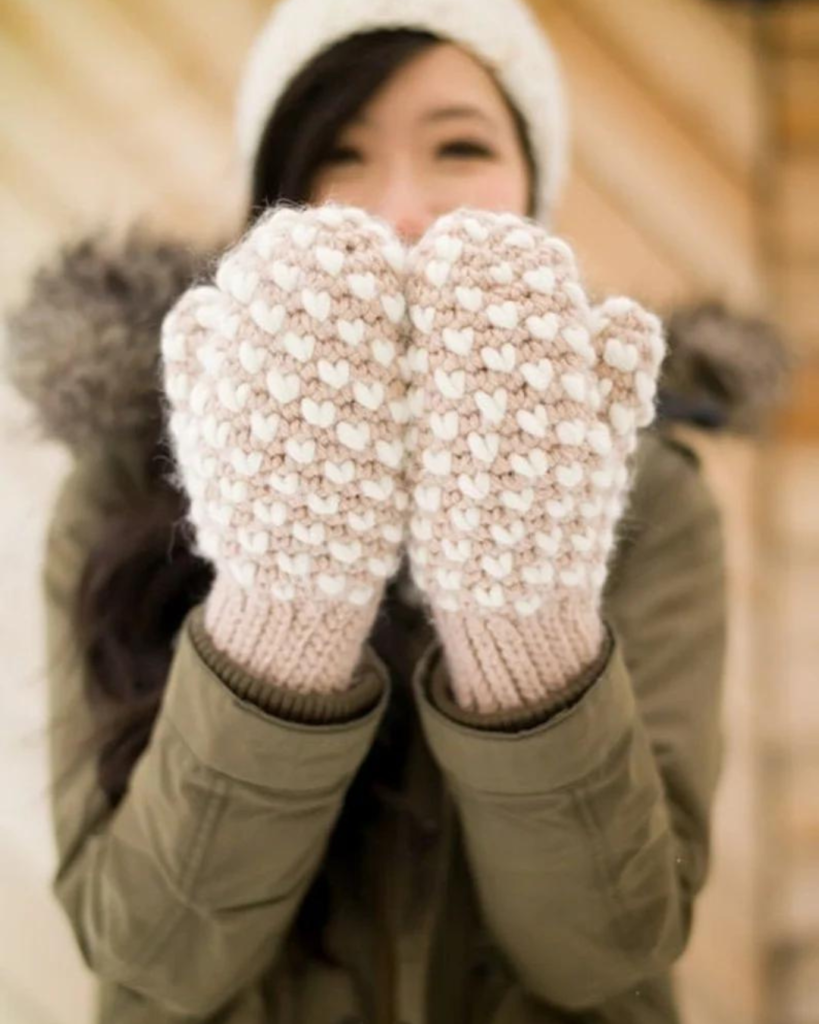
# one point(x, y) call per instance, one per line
point(325, 392)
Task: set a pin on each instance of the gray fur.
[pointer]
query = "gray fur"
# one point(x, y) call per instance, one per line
point(83, 345)
point(739, 365)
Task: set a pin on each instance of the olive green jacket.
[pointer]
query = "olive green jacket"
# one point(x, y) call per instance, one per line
point(535, 869)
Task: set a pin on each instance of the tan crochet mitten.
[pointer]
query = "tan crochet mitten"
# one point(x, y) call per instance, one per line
point(525, 406)
point(287, 414)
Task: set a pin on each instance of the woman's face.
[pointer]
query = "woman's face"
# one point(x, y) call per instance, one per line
point(438, 135)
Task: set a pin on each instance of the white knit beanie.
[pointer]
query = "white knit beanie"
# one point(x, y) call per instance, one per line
point(503, 34)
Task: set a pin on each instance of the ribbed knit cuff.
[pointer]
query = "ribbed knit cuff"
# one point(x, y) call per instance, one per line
point(370, 678)
point(309, 647)
point(497, 663)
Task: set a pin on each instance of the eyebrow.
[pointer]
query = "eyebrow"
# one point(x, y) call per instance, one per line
point(448, 113)
point(443, 114)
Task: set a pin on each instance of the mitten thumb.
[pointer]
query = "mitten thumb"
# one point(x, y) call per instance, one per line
point(630, 346)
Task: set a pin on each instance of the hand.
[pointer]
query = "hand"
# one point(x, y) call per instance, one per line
point(287, 414)
point(526, 403)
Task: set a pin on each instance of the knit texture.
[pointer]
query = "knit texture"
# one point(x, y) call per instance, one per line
point(525, 404)
point(309, 647)
point(502, 662)
point(287, 413)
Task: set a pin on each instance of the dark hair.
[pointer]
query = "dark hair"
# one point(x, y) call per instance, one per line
point(137, 586)
point(142, 578)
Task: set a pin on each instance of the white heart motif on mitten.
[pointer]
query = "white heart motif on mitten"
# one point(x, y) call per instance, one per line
point(526, 402)
point(287, 408)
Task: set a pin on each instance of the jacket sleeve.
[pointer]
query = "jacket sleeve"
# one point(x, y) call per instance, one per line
point(588, 832)
point(183, 893)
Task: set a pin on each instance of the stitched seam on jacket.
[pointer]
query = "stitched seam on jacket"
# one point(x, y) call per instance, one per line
point(214, 804)
point(618, 910)
point(231, 780)
point(504, 796)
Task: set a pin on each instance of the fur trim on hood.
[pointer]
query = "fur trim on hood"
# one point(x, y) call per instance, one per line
point(723, 370)
point(83, 346)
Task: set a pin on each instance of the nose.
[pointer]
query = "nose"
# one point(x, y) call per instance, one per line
point(402, 202)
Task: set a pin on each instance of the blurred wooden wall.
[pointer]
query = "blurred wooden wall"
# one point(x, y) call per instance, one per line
point(789, 41)
point(115, 110)
point(662, 197)
point(788, 530)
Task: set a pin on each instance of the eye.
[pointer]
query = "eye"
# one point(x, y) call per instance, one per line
point(465, 148)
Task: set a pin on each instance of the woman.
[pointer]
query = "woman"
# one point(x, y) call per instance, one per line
point(419, 805)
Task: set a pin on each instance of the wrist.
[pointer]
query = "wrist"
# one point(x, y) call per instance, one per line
point(310, 646)
point(498, 662)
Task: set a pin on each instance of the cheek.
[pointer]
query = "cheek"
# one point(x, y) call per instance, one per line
point(350, 190)
point(500, 188)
